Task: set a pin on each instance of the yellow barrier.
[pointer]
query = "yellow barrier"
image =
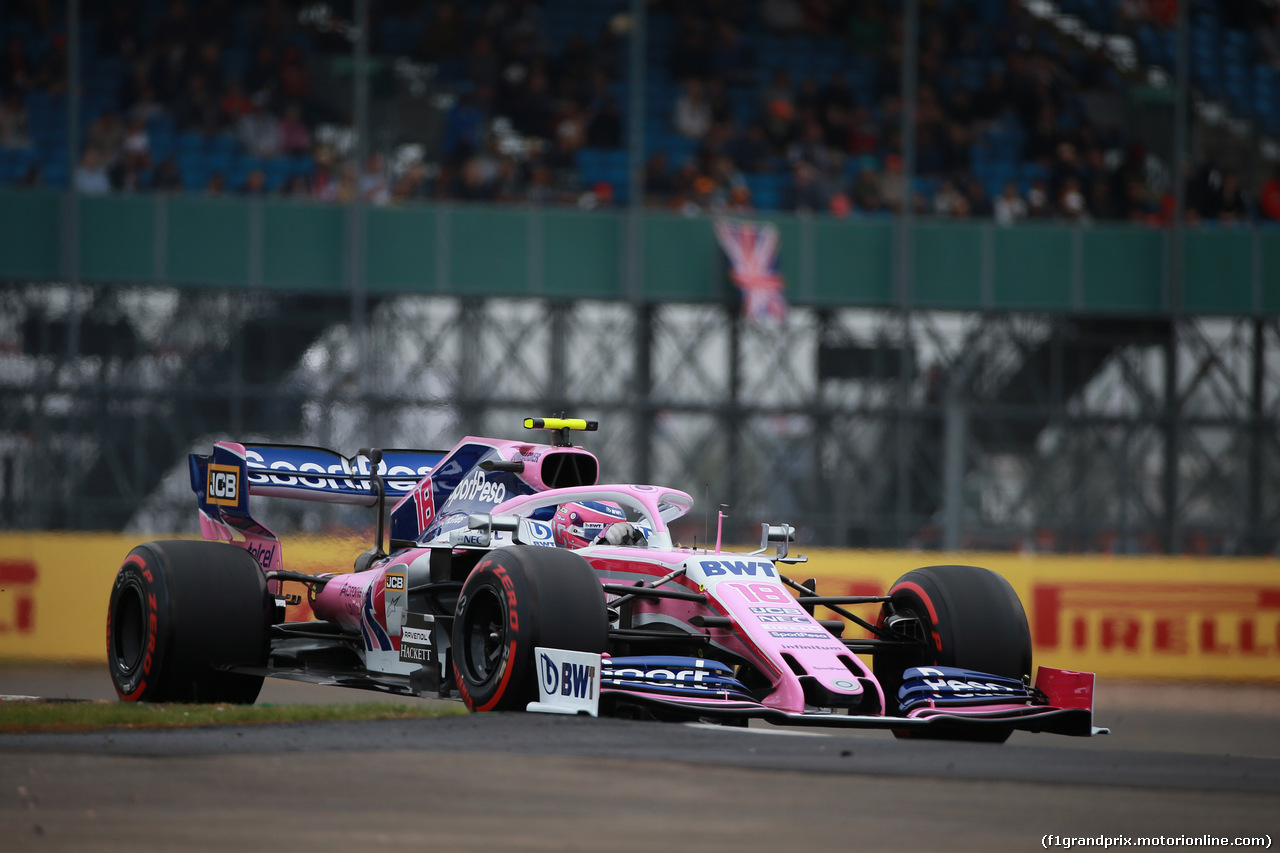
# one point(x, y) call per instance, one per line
point(1169, 618)
point(1176, 618)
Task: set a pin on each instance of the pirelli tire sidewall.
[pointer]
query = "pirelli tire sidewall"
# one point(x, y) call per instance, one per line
point(532, 596)
point(970, 618)
point(179, 613)
point(138, 627)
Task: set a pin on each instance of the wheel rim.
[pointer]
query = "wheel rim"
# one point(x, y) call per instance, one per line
point(129, 629)
point(484, 627)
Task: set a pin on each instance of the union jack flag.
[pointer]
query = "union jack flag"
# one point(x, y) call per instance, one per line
point(752, 248)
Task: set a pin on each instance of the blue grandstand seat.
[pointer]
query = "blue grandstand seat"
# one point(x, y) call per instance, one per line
point(190, 143)
point(55, 175)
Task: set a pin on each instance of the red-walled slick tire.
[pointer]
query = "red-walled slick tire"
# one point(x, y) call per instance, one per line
point(969, 617)
point(181, 612)
point(514, 600)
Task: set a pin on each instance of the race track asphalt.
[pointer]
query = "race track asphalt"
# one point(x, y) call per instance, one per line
point(1182, 762)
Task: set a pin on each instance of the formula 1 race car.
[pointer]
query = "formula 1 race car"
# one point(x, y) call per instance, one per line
point(515, 582)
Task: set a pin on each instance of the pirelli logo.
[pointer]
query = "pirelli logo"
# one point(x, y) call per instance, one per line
point(1177, 620)
point(223, 485)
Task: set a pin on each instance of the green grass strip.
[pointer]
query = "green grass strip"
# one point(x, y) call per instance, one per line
point(35, 716)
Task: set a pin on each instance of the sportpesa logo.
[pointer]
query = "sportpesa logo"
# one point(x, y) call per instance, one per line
point(223, 487)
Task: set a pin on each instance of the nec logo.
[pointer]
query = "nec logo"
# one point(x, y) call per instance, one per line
point(223, 486)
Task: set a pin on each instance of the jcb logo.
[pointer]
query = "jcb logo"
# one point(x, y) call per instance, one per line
point(224, 485)
point(395, 582)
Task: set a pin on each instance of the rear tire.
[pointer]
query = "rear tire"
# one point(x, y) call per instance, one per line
point(970, 618)
point(516, 599)
point(180, 611)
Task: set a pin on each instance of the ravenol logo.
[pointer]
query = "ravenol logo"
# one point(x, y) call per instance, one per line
point(223, 487)
point(567, 679)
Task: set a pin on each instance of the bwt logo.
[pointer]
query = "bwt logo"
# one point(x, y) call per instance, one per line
point(738, 567)
point(567, 679)
point(224, 485)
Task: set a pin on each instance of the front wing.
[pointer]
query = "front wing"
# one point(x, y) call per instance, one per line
point(1065, 707)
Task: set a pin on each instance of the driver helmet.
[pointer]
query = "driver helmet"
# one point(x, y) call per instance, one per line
point(579, 524)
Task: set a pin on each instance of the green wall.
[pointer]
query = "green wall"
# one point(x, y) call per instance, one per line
point(571, 254)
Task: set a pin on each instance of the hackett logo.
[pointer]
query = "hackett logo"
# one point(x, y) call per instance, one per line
point(1175, 619)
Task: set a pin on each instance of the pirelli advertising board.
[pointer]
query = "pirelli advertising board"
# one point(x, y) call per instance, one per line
point(1176, 618)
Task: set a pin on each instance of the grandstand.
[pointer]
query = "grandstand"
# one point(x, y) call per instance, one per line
point(233, 97)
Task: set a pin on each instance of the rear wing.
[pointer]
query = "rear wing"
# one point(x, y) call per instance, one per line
point(305, 473)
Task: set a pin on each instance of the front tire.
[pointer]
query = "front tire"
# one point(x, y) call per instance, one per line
point(516, 599)
point(968, 617)
point(179, 613)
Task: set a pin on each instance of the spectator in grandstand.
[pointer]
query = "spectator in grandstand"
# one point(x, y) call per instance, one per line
point(864, 133)
point(811, 147)
point(1070, 200)
point(604, 130)
point(412, 184)
point(541, 189)
point(255, 184)
point(806, 193)
point(730, 60)
point(980, 205)
point(865, 194)
point(91, 175)
point(197, 109)
point(948, 201)
point(324, 178)
point(295, 138)
point(294, 82)
point(106, 137)
point(17, 72)
point(167, 177)
point(443, 37)
point(1226, 201)
point(1269, 197)
point(262, 74)
point(782, 15)
point(749, 149)
point(13, 121)
point(1038, 206)
point(51, 75)
point(1102, 205)
point(207, 63)
point(234, 103)
point(658, 184)
point(375, 187)
point(128, 172)
point(1010, 208)
point(1269, 40)
point(835, 111)
point(892, 183)
point(690, 59)
point(692, 117)
point(259, 130)
point(295, 187)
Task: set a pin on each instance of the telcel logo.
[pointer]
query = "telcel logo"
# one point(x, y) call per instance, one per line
point(223, 485)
